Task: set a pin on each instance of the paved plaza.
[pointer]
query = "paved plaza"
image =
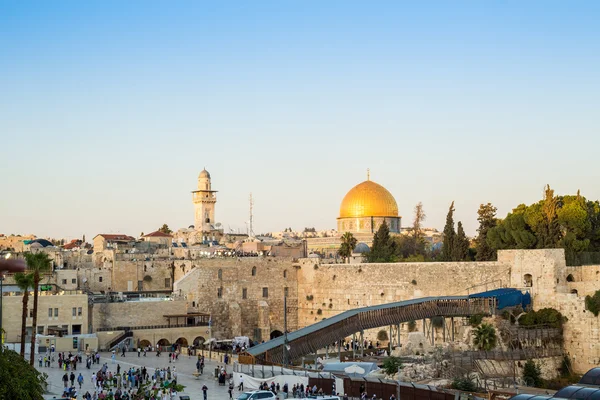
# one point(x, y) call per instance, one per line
point(185, 367)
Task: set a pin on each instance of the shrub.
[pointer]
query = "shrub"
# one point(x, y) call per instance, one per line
point(592, 303)
point(545, 316)
point(532, 374)
point(414, 282)
point(438, 322)
point(309, 297)
point(330, 305)
point(475, 320)
point(319, 311)
point(465, 384)
point(316, 266)
point(412, 326)
point(391, 365)
point(382, 335)
point(484, 337)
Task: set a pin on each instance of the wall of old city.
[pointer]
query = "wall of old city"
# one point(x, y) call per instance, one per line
point(243, 302)
point(325, 290)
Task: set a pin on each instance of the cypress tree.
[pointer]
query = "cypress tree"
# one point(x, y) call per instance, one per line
point(449, 235)
point(486, 215)
point(460, 250)
point(383, 248)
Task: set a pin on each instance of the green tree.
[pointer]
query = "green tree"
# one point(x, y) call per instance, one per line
point(484, 337)
point(532, 374)
point(38, 264)
point(449, 235)
point(382, 335)
point(486, 215)
point(549, 232)
point(18, 379)
point(383, 249)
point(25, 283)
point(460, 249)
point(347, 247)
point(392, 365)
point(165, 229)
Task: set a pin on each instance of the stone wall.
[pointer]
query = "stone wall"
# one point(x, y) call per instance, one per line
point(134, 313)
point(234, 315)
point(325, 290)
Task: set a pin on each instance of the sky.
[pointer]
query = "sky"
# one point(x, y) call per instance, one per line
point(110, 109)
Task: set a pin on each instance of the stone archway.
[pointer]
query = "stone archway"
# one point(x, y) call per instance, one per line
point(145, 343)
point(276, 334)
point(182, 342)
point(199, 341)
point(163, 342)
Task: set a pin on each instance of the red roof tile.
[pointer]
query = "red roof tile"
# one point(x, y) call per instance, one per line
point(157, 234)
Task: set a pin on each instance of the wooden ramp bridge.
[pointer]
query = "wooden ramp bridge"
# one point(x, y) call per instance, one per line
point(294, 345)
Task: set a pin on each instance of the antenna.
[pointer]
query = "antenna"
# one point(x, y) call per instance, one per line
point(250, 231)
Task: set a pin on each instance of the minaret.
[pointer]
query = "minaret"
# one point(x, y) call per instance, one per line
point(204, 203)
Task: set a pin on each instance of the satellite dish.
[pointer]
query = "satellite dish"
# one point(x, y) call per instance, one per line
point(218, 224)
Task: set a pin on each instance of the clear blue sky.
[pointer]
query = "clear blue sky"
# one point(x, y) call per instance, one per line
point(110, 109)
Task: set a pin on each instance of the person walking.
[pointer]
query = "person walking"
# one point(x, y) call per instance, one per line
point(231, 390)
point(241, 386)
point(204, 391)
point(80, 380)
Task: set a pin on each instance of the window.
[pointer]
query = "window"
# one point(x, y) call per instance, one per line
point(49, 313)
point(265, 292)
point(30, 313)
point(244, 293)
point(253, 271)
point(40, 330)
point(74, 311)
point(64, 281)
point(285, 292)
point(56, 312)
point(285, 273)
point(76, 330)
point(219, 292)
point(74, 280)
point(99, 279)
point(220, 274)
point(80, 311)
point(167, 283)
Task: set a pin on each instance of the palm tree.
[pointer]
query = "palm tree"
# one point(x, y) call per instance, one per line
point(484, 337)
point(37, 263)
point(348, 245)
point(25, 283)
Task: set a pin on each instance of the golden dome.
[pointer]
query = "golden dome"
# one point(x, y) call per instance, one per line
point(368, 199)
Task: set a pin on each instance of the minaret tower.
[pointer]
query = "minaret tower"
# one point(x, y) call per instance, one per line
point(204, 203)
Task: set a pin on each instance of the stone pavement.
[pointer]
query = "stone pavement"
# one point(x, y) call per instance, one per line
point(185, 367)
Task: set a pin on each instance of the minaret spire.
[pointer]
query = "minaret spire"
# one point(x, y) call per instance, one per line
point(368, 174)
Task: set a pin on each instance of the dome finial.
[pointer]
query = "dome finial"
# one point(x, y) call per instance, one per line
point(368, 174)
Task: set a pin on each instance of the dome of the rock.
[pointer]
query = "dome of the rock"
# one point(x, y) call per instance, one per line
point(366, 206)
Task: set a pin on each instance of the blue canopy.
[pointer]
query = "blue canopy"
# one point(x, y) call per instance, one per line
point(507, 297)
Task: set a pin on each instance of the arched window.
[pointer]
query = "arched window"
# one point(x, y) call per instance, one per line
point(570, 278)
point(253, 271)
point(220, 274)
point(285, 273)
point(528, 280)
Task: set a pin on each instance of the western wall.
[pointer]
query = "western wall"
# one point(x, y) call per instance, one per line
point(245, 296)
